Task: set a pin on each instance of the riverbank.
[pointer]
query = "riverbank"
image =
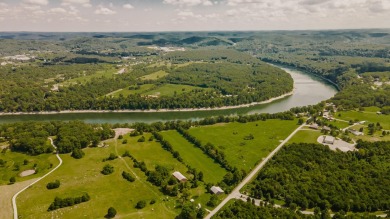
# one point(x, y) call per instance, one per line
point(152, 110)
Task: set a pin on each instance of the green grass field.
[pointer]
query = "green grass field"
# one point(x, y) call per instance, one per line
point(108, 72)
point(80, 176)
point(151, 153)
point(126, 91)
point(305, 136)
point(195, 157)
point(154, 76)
point(15, 165)
point(368, 116)
point(171, 89)
point(244, 154)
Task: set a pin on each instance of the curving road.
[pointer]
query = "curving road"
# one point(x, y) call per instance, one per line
point(236, 192)
point(14, 206)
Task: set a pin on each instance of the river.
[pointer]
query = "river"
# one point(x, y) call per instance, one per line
point(309, 90)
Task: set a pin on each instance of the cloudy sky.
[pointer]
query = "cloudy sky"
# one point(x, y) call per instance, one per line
point(191, 15)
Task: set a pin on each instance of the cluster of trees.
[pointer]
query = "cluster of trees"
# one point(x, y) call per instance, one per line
point(107, 169)
point(32, 137)
point(127, 176)
point(53, 185)
point(67, 202)
point(208, 148)
point(241, 209)
point(310, 175)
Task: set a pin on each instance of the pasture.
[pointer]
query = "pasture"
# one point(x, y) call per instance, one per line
point(154, 76)
point(305, 136)
point(171, 90)
point(15, 163)
point(368, 116)
point(83, 176)
point(127, 91)
point(195, 157)
point(241, 153)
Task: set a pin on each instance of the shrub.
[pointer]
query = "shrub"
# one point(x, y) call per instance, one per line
point(111, 212)
point(142, 139)
point(77, 153)
point(53, 185)
point(12, 180)
point(141, 204)
point(128, 176)
point(107, 169)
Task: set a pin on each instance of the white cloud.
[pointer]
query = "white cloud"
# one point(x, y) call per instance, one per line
point(104, 11)
point(31, 7)
point(188, 2)
point(379, 6)
point(57, 11)
point(128, 6)
point(84, 3)
point(37, 2)
point(238, 2)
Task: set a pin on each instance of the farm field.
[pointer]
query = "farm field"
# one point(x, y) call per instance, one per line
point(83, 176)
point(240, 153)
point(15, 165)
point(154, 76)
point(195, 157)
point(305, 136)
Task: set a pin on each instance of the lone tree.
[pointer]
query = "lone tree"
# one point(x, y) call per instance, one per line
point(141, 204)
point(111, 213)
point(12, 180)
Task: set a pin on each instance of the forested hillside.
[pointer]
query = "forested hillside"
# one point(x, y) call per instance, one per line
point(311, 175)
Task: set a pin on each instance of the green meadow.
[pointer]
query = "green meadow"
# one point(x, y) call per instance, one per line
point(195, 157)
point(368, 116)
point(171, 90)
point(154, 76)
point(241, 153)
point(15, 164)
point(305, 136)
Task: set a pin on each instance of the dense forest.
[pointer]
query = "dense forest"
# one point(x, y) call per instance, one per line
point(243, 210)
point(311, 175)
point(224, 78)
point(32, 137)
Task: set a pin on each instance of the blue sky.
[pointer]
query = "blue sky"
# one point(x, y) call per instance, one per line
point(191, 15)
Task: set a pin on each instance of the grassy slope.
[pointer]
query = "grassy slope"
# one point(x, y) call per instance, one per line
point(125, 91)
point(43, 165)
point(195, 157)
point(368, 116)
point(170, 89)
point(154, 76)
point(79, 176)
point(107, 73)
point(268, 135)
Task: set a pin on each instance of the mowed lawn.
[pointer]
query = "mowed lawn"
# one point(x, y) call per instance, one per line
point(150, 152)
point(244, 154)
point(154, 76)
point(305, 136)
point(83, 176)
point(14, 165)
point(195, 157)
point(368, 116)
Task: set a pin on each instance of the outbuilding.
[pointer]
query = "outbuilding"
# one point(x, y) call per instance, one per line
point(216, 190)
point(179, 176)
point(328, 139)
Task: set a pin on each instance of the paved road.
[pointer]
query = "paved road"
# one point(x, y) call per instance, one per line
point(14, 206)
point(236, 192)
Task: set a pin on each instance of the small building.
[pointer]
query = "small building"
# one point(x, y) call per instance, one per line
point(326, 128)
point(314, 126)
point(179, 176)
point(356, 133)
point(216, 190)
point(328, 140)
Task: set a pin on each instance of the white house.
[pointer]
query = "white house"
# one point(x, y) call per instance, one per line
point(179, 176)
point(216, 190)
